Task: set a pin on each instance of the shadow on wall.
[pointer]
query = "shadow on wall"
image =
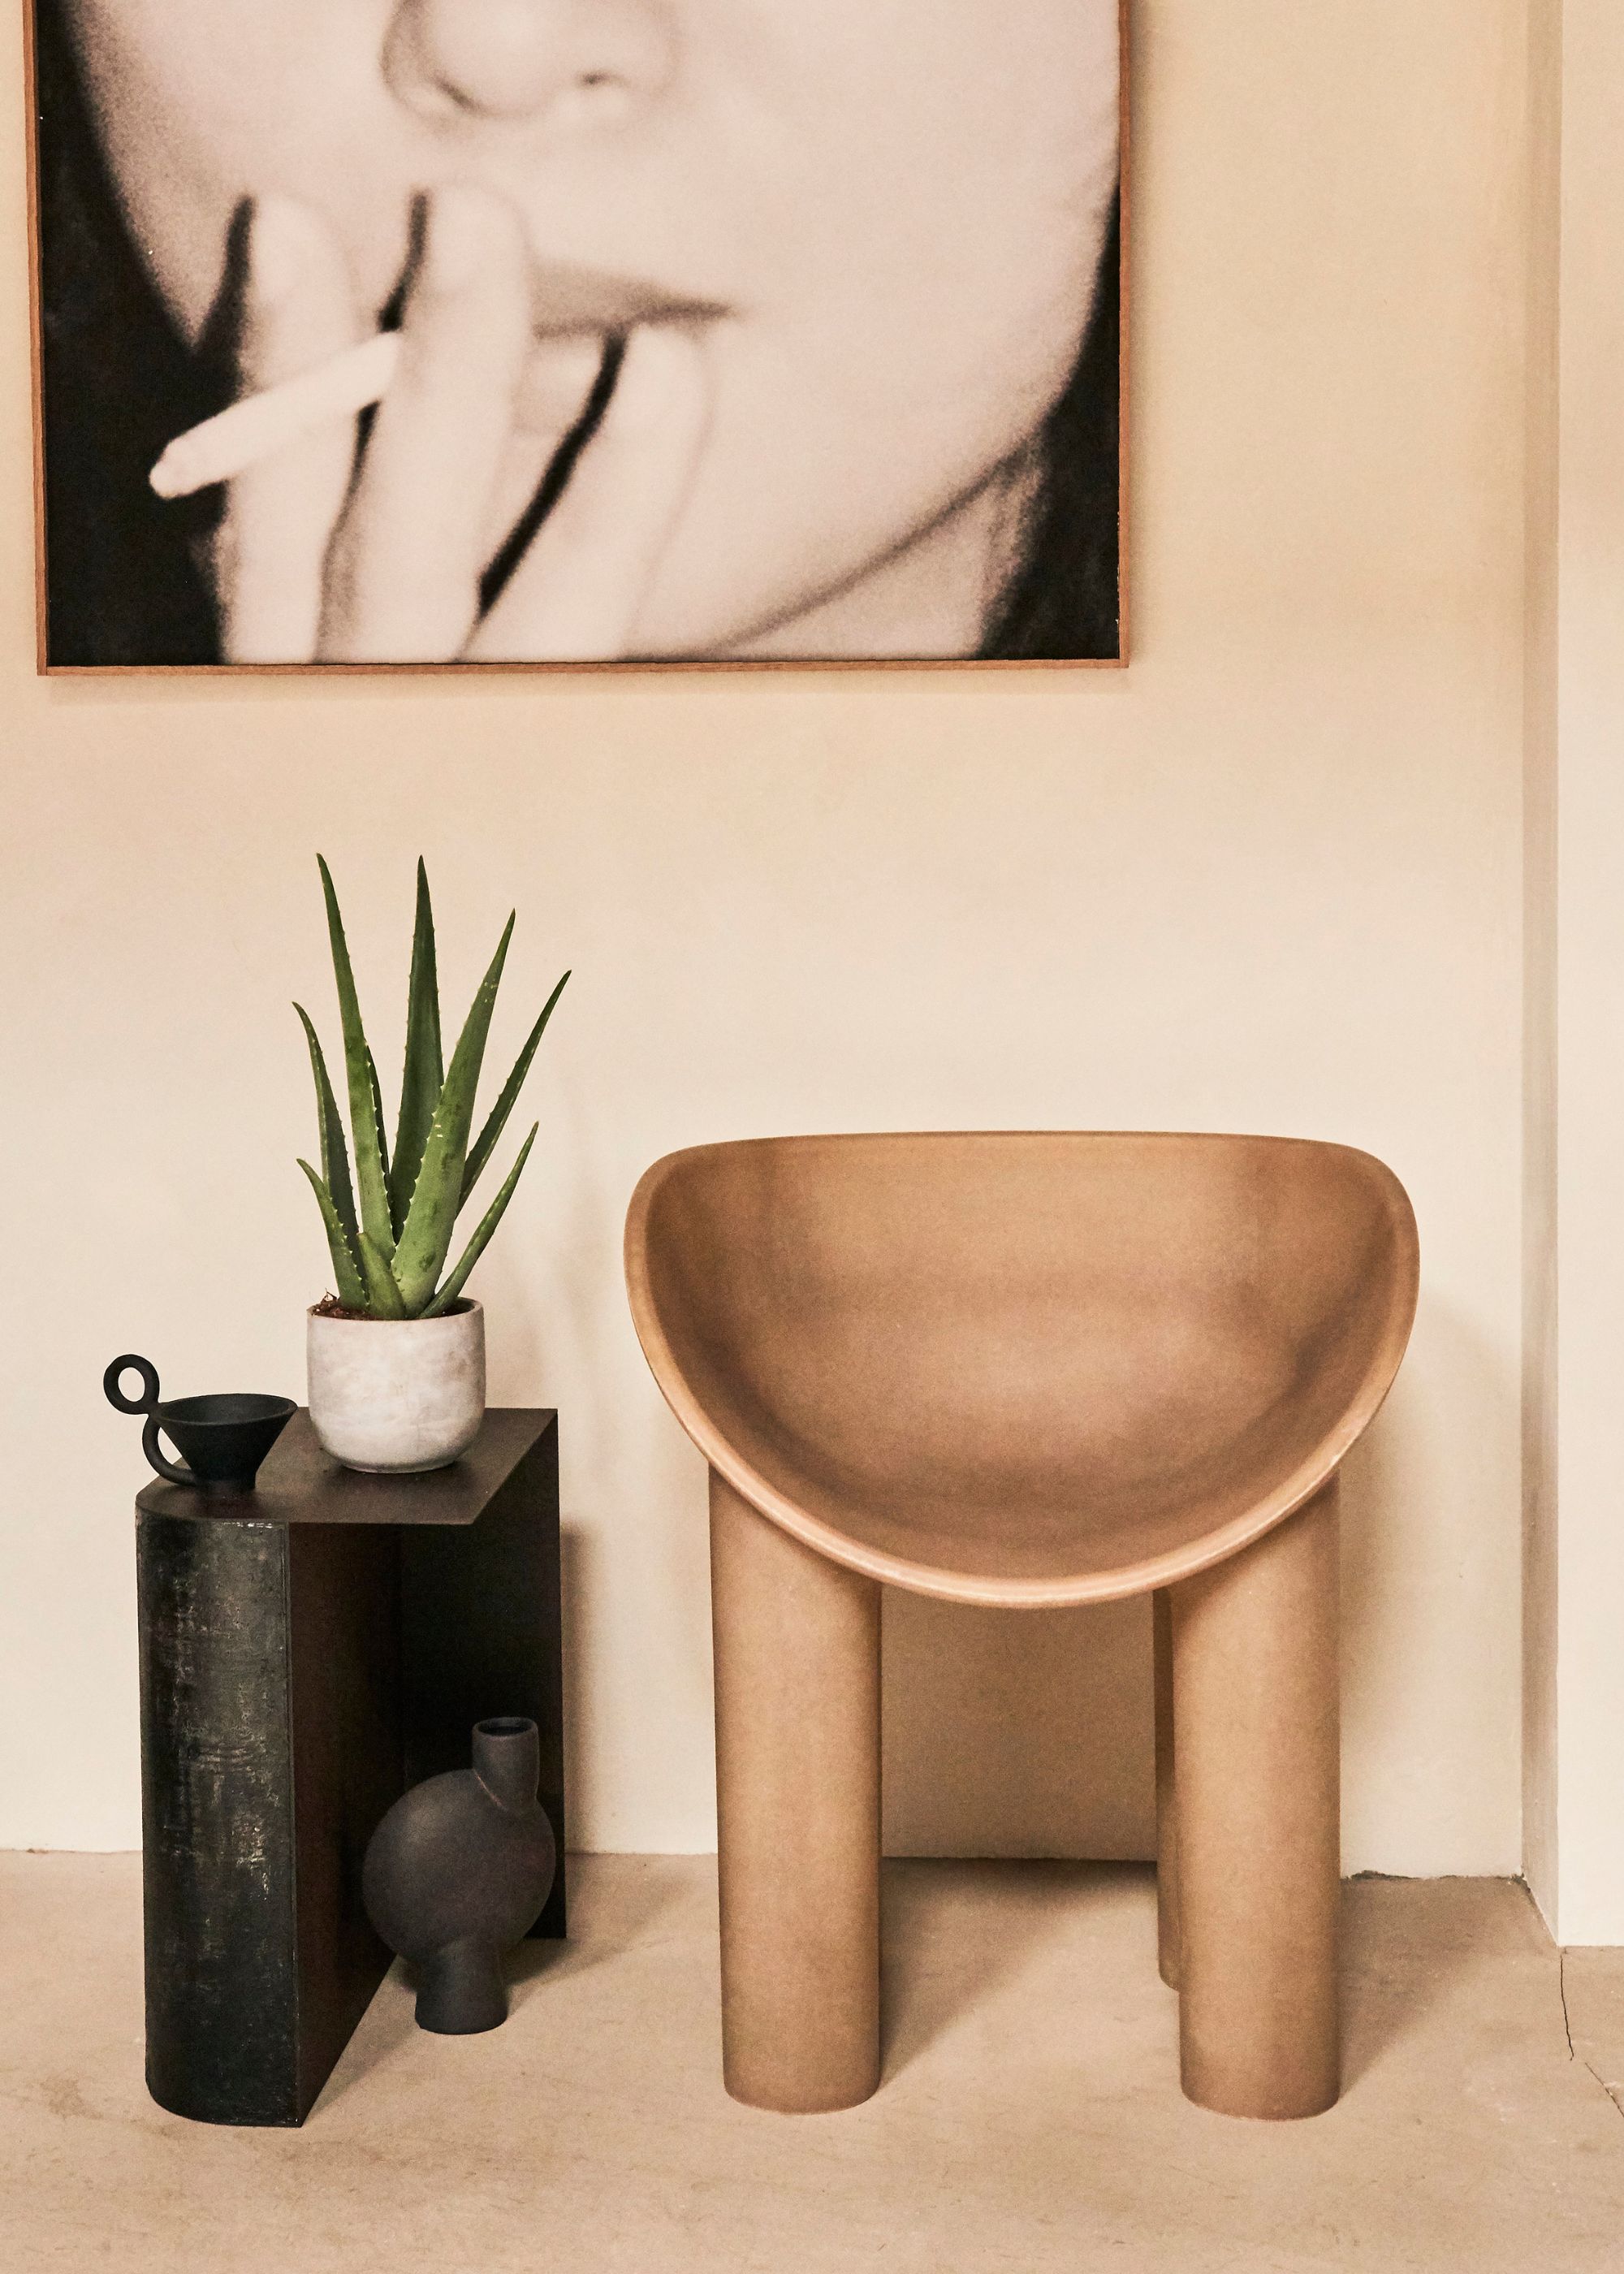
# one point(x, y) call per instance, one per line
point(1007, 1734)
point(1031, 1734)
point(1446, 1441)
point(637, 1686)
point(1019, 1733)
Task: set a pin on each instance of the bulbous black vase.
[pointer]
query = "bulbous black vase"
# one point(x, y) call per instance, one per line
point(457, 1873)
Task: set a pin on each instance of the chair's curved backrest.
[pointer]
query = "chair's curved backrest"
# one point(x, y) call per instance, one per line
point(1022, 1368)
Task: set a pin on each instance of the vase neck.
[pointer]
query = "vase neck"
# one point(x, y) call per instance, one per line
point(507, 1761)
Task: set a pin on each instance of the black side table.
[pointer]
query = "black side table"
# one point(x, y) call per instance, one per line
point(309, 1651)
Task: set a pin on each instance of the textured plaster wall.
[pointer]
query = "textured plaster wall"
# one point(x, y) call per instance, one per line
point(1575, 1739)
point(1542, 598)
point(1269, 878)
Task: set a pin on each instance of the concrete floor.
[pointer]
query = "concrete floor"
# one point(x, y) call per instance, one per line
point(1031, 2116)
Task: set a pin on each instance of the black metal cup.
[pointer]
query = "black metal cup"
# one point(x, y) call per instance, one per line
point(222, 1440)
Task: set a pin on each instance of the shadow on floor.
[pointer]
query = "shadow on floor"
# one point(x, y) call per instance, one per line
point(608, 1914)
point(1407, 1944)
point(958, 1938)
point(955, 1935)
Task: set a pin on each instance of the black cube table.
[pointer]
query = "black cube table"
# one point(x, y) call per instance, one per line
point(308, 1651)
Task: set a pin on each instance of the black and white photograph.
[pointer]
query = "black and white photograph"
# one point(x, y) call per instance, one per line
point(578, 332)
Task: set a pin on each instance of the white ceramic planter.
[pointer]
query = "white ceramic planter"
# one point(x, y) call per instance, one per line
point(397, 1395)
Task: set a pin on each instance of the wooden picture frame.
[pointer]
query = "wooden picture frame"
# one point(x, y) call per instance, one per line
point(53, 660)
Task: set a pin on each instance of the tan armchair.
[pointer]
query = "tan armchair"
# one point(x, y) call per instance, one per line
point(1027, 1369)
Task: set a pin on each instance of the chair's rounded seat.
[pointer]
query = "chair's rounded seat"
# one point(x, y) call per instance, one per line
point(1023, 1369)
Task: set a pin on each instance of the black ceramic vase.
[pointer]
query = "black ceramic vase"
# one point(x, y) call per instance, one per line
point(457, 1872)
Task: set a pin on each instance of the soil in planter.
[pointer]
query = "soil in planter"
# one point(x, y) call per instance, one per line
point(330, 1307)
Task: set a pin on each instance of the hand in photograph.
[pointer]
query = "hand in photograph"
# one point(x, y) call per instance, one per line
point(320, 561)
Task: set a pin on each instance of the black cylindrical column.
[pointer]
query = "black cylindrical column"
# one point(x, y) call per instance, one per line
point(271, 1748)
point(217, 1820)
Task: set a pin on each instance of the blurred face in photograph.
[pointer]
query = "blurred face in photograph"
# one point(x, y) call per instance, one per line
point(889, 214)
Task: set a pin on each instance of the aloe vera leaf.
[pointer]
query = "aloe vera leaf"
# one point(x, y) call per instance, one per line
point(383, 1142)
point(384, 1300)
point(426, 1236)
point(349, 1285)
point(334, 1152)
point(361, 1079)
point(424, 1073)
point(484, 1145)
point(486, 1225)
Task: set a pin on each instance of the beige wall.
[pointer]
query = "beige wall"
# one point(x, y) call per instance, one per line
point(1267, 879)
point(1576, 875)
point(1541, 594)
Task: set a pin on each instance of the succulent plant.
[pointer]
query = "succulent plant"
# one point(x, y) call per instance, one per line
point(390, 1230)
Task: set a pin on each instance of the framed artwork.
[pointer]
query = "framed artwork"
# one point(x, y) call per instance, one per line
point(523, 334)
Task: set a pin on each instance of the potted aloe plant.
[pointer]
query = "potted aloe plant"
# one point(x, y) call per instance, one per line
point(397, 1355)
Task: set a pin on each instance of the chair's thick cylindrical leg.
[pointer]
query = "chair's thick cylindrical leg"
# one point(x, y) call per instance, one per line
point(1167, 1806)
point(798, 1800)
point(1256, 1733)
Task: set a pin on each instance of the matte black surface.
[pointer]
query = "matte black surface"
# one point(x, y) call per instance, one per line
point(223, 1440)
point(217, 1821)
point(480, 1632)
point(300, 1484)
point(113, 1388)
point(457, 1873)
point(307, 1651)
point(345, 1621)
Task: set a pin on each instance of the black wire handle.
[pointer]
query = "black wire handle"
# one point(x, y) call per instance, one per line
point(146, 1404)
